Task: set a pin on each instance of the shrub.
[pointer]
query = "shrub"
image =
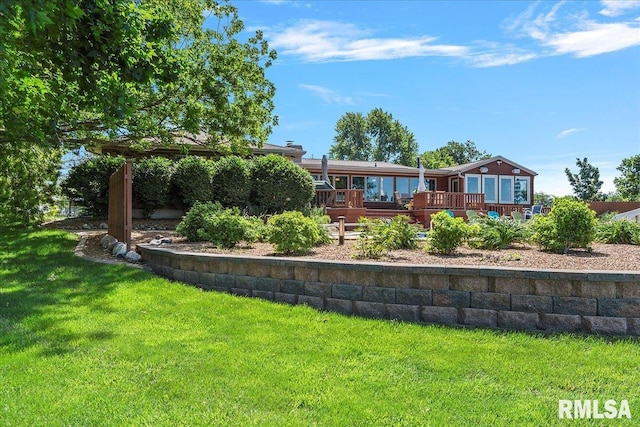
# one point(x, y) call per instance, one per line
point(258, 230)
point(88, 183)
point(367, 246)
point(278, 185)
point(570, 224)
point(398, 233)
point(151, 180)
point(230, 181)
point(495, 233)
point(196, 219)
point(226, 228)
point(618, 231)
point(447, 234)
point(293, 233)
point(191, 182)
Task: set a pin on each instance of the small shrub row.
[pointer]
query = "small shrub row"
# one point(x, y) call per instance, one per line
point(267, 184)
point(290, 232)
point(377, 237)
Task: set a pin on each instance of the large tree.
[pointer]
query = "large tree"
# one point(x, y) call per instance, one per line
point(586, 183)
point(142, 72)
point(452, 154)
point(376, 137)
point(628, 185)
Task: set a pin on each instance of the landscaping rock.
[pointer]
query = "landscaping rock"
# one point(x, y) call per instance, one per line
point(86, 227)
point(119, 250)
point(104, 226)
point(112, 244)
point(155, 242)
point(107, 240)
point(133, 257)
point(166, 240)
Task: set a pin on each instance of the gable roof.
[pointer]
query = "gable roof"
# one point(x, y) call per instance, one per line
point(367, 167)
point(452, 170)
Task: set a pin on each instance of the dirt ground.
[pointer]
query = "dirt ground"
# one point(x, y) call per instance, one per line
point(603, 257)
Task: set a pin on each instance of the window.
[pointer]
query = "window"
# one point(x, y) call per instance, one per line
point(521, 190)
point(373, 190)
point(340, 182)
point(386, 183)
point(402, 186)
point(357, 182)
point(472, 184)
point(506, 189)
point(490, 188)
point(430, 184)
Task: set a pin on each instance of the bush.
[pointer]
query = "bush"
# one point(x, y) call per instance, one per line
point(191, 182)
point(196, 219)
point(293, 233)
point(447, 234)
point(368, 245)
point(278, 185)
point(570, 224)
point(87, 183)
point(226, 228)
point(618, 231)
point(495, 233)
point(151, 181)
point(230, 181)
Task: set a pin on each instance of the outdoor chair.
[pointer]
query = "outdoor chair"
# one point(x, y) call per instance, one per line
point(493, 214)
point(517, 216)
point(533, 210)
point(473, 217)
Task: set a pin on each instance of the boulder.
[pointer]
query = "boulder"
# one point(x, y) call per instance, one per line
point(107, 240)
point(104, 226)
point(119, 250)
point(133, 257)
point(155, 242)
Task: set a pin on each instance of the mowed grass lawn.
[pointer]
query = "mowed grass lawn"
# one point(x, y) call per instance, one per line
point(92, 344)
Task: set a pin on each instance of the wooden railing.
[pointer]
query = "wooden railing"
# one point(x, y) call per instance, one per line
point(446, 200)
point(339, 198)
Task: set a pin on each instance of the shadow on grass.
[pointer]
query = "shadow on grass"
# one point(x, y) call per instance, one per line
point(43, 285)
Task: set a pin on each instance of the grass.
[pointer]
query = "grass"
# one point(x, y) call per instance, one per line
point(93, 344)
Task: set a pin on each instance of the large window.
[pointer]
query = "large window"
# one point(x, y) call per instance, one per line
point(521, 190)
point(386, 184)
point(402, 186)
point(490, 188)
point(340, 182)
point(506, 189)
point(373, 190)
point(357, 182)
point(472, 184)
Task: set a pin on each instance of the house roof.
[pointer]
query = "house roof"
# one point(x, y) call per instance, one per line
point(452, 170)
point(366, 166)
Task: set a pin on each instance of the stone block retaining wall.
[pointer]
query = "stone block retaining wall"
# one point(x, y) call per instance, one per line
point(508, 298)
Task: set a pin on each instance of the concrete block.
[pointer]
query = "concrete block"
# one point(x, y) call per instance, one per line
point(226, 280)
point(286, 298)
point(374, 310)
point(469, 283)
point(459, 299)
point(317, 289)
point(490, 301)
point(597, 289)
point(315, 302)
point(518, 320)
point(439, 315)
point(605, 325)
point(342, 306)
point(532, 303)
point(246, 282)
point(413, 296)
point(207, 280)
point(406, 313)
point(292, 286)
point(241, 292)
point(562, 288)
point(268, 295)
point(575, 305)
point(560, 322)
point(378, 294)
point(478, 317)
point(433, 282)
point(267, 284)
point(623, 307)
point(341, 291)
point(633, 326)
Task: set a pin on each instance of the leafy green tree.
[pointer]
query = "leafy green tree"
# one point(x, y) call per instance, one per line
point(628, 185)
point(149, 70)
point(28, 182)
point(452, 154)
point(374, 137)
point(586, 183)
point(540, 198)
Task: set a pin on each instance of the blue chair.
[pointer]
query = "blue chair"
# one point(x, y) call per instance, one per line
point(450, 213)
point(493, 214)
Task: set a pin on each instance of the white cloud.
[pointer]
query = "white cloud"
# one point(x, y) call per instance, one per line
point(325, 41)
point(328, 95)
point(567, 132)
point(613, 8)
point(596, 39)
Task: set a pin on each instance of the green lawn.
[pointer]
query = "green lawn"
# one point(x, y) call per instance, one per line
point(92, 344)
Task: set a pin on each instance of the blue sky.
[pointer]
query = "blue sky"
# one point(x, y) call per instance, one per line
point(540, 83)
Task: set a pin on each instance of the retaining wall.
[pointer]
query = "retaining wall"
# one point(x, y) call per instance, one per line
point(509, 298)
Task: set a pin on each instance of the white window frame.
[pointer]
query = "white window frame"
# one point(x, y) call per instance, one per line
point(502, 178)
point(527, 180)
point(495, 188)
point(466, 182)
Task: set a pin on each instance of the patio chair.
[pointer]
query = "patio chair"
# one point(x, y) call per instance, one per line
point(517, 216)
point(493, 214)
point(473, 217)
point(533, 210)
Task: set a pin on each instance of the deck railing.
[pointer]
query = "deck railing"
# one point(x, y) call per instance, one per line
point(447, 200)
point(339, 198)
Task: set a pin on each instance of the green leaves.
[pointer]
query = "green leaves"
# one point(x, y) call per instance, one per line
point(586, 183)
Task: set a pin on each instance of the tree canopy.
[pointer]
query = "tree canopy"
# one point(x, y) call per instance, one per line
point(628, 184)
point(376, 137)
point(143, 71)
point(452, 154)
point(586, 183)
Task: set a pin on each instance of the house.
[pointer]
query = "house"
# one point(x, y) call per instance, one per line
point(363, 188)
